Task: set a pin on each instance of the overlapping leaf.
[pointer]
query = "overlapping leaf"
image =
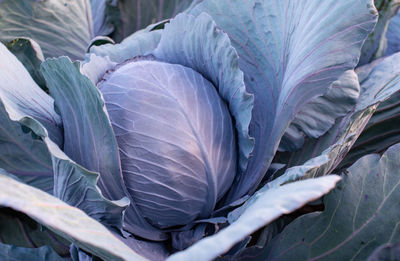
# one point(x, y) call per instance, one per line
point(20, 230)
point(8, 252)
point(68, 222)
point(379, 81)
point(30, 55)
point(89, 138)
point(360, 215)
point(290, 52)
point(208, 50)
point(261, 209)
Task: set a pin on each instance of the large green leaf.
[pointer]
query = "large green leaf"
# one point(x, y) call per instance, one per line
point(30, 55)
point(21, 152)
point(22, 96)
point(262, 208)
point(60, 27)
point(360, 215)
point(68, 222)
point(290, 52)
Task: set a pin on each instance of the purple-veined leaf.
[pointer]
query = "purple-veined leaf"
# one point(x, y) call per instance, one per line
point(386, 252)
point(319, 115)
point(290, 52)
point(68, 222)
point(360, 214)
point(379, 81)
point(262, 208)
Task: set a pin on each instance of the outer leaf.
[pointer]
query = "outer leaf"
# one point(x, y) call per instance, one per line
point(360, 215)
point(21, 152)
point(89, 138)
point(380, 133)
point(78, 187)
point(137, 14)
point(197, 43)
point(30, 55)
point(101, 21)
point(376, 44)
point(22, 96)
point(11, 253)
point(319, 115)
point(68, 222)
point(379, 81)
point(23, 155)
point(388, 252)
point(105, 57)
point(393, 36)
point(60, 28)
point(154, 251)
point(137, 44)
point(290, 52)
point(20, 230)
point(259, 210)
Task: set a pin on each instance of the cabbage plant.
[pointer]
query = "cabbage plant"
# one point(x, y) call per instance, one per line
point(212, 135)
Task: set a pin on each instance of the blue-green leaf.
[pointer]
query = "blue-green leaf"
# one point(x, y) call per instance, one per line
point(290, 52)
point(319, 115)
point(379, 81)
point(20, 230)
point(360, 215)
point(30, 55)
point(22, 96)
point(262, 208)
point(386, 252)
point(89, 138)
point(66, 221)
point(60, 27)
